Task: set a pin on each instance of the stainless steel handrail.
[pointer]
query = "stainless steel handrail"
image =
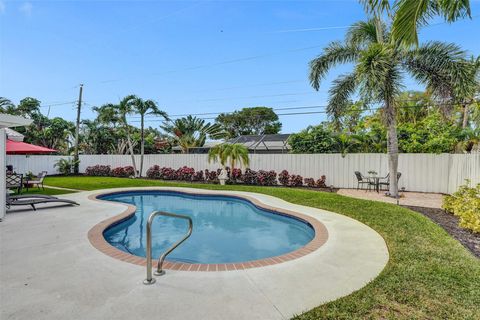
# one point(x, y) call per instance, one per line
point(160, 271)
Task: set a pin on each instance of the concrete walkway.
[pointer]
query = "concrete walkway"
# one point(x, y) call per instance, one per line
point(417, 199)
point(49, 270)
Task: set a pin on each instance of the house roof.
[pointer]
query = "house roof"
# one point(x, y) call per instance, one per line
point(14, 135)
point(7, 120)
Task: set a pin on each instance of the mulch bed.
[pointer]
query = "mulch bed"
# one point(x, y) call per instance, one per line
point(449, 222)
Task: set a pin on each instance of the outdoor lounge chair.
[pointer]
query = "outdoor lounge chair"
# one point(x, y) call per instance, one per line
point(14, 181)
point(37, 182)
point(362, 180)
point(29, 196)
point(386, 183)
point(34, 199)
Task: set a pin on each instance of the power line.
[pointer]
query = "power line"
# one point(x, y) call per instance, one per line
point(248, 58)
point(57, 104)
point(307, 112)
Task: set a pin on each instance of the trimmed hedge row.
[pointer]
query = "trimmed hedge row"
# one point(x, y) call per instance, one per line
point(107, 171)
point(249, 177)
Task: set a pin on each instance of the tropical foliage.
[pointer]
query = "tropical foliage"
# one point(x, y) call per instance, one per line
point(228, 153)
point(257, 121)
point(465, 203)
point(379, 67)
point(191, 132)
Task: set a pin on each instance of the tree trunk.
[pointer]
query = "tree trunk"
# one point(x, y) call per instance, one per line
point(465, 116)
point(142, 143)
point(392, 148)
point(130, 148)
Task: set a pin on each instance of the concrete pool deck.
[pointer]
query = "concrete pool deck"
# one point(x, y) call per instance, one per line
point(49, 270)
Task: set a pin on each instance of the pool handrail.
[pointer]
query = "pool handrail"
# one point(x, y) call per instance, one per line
point(160, 271)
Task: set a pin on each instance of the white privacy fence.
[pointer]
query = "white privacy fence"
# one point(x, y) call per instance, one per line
point(420, 172)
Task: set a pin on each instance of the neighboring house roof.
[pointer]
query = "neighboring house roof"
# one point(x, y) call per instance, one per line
point(14, 135)
point(7, 120)
point(264, 142)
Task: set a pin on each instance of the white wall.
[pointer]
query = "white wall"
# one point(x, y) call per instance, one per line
point(420, 172)
point(3, 186)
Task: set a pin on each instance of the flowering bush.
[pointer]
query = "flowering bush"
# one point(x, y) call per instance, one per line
point(236, 175)
point(465, 203)
point(98, 170)
point(153, 172)
point(322, 182)
point(129, 171)
point(211, 176)
point(296, 180)
point(284, 178)
point(198, 176)
point(185, 173)
point(119, 172)
point(310, 182)
point(167, 173)
point(123, 172)
point(250, 177)
point(266, 178)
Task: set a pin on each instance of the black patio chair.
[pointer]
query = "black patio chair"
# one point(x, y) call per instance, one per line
point(38, 181)
point(14, 181)
point(386, 183)
point(361, 180)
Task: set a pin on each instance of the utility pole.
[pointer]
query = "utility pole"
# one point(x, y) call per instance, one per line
point(77, 130)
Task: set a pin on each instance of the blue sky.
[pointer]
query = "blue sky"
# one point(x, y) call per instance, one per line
point(189, 56)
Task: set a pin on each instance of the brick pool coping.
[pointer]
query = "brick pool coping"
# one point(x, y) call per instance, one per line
point(96, 238)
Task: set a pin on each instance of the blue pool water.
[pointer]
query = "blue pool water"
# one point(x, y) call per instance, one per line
point(225, 229)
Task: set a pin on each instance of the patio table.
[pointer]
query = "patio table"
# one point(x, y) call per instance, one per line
point(376, 181)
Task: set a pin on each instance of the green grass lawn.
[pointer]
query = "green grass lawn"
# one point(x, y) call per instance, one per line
point(429, 276)
point(48, 191)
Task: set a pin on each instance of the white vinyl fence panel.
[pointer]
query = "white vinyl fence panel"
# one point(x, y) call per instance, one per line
point(442, 173)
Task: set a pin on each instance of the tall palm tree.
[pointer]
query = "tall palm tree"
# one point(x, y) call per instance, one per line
point(379, 65)
point(125, 108)
point(229, 152)
point(410, 15)
point(108, 114)
point(191, 132)
point(144, 107)
point(6, 105)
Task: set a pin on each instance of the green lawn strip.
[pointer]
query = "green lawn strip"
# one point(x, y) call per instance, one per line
point(429, 276)
point(48, 191)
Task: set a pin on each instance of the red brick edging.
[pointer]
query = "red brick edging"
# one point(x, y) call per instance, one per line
point(96, 238)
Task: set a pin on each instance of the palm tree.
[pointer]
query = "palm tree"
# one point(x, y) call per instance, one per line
point(108, 114)
point(144, 107)
point(409, 15)
point(6, 105)
point(125, 108)
point(228, 152)
point(377, 76)
point(191, 132)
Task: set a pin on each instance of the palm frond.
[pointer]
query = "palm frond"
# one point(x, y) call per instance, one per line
point(342, 89)
point(363, 33)
point(333, 54)
point(412, 14)
point(375, 6)
point(443, 68)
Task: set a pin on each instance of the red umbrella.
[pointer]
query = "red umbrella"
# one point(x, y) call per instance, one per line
point(16, 147)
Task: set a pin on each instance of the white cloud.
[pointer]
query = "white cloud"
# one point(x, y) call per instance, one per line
point(2, 7)
point(26, 8)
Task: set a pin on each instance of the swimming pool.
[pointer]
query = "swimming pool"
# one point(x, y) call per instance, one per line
point(226, 229)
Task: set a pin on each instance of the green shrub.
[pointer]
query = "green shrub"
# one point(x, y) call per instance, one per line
point(65, 166)
point(465, 203)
